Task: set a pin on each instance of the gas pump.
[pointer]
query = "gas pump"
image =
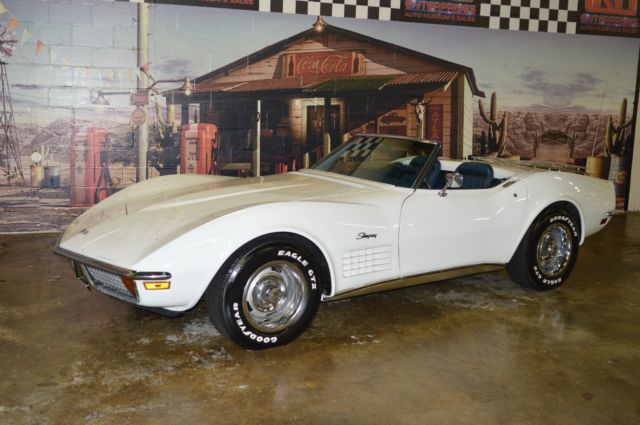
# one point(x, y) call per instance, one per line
point(89, 178)
point(199, 149)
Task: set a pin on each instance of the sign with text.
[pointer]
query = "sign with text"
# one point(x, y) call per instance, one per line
point(454, 12)
point(612, 7)
point(326, 64)
point(609, 17)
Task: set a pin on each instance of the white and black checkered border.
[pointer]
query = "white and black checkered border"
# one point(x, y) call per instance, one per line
point(383, 10)
point(555, 16)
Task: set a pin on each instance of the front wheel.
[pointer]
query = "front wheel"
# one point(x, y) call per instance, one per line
point(267, 296)
point(547, 253)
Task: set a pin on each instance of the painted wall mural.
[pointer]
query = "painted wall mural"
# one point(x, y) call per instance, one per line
point(217, 78)
point(604, 17)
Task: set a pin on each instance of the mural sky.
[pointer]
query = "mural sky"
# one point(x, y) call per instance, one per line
point(530, 71)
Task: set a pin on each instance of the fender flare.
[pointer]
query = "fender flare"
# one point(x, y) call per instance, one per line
point(533, 216)
point(311, 243)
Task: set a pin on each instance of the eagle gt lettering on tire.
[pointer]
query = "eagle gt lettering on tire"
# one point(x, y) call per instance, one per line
point(547, 253)
point(268, 293)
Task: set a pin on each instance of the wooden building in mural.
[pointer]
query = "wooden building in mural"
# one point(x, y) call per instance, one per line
point(308, 93)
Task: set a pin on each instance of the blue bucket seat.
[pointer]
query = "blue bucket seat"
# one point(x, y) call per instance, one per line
point(475, 175)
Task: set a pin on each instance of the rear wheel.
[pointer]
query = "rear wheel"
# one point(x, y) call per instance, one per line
point(267, 295)
point(547, 253)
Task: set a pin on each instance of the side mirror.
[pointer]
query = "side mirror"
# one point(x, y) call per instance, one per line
point(454, 181)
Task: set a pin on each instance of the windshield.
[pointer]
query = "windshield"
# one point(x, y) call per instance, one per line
point(384, 159)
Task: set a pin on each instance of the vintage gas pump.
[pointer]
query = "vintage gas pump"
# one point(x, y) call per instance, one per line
point(199, 149)
point(89, 179)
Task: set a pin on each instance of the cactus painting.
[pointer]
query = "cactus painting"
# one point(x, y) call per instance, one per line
point(614, 136)
point(571, 143)
point(616, 147)
point(536, 143)
point(497, 137)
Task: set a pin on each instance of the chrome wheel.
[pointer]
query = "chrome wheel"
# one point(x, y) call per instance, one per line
point(275, 296)
point(554, 250)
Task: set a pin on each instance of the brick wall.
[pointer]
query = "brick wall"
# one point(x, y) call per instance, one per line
point(89, 45)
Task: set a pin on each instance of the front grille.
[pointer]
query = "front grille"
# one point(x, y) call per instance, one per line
point(109, 283)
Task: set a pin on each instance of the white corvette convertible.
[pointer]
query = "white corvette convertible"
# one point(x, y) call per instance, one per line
point(379, 212)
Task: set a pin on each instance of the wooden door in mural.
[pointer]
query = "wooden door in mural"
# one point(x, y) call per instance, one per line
point(315, 122)
point(434, 123)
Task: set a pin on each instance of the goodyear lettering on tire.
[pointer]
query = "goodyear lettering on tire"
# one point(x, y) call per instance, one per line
point(568, 221)
point(247, 332)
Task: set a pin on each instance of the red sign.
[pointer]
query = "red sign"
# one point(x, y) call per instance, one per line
point(609, 17)
point(323, 63)
point(612, 7)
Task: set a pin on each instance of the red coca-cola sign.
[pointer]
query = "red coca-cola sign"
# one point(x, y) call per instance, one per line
point(323, 63)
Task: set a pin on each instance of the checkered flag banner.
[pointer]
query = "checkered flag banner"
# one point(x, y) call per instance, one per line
point(362, 148)
point(384, 10)
point(559, 16)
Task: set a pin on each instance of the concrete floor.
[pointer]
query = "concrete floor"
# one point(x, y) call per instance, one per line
point(478, 350)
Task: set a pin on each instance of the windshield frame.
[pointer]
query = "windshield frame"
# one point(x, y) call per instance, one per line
point(420, 175)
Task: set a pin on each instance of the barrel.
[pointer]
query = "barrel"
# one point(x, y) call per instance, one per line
point(51, 176)
point(598, 166)
point(618, 175)
point(37, 175)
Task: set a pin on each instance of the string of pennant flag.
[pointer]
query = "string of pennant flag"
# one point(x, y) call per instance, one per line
point(13, 23)
point(9, 39)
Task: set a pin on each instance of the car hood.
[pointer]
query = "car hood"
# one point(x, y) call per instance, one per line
point(131, 224)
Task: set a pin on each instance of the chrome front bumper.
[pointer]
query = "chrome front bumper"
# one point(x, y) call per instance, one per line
point(112, 280)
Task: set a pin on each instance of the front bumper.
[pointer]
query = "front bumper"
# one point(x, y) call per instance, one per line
point(607, 217)
point(113, 280)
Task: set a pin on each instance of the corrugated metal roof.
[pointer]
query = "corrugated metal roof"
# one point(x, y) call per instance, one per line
point(277, 84)
point(315, 83)
point(284, 44)
point(423, 78)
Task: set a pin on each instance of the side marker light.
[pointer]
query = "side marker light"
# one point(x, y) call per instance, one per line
point(154, 286)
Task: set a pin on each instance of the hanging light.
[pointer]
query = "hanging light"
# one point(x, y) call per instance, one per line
point(100, 99)
point(319, 25)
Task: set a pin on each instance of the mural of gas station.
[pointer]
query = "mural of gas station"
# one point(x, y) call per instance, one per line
point(295, 100)
point(285, 102)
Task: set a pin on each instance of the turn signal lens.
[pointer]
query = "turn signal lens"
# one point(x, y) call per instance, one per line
point(153, 286)
point(131, 286)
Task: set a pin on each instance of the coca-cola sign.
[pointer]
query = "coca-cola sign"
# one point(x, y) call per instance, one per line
point(323, 63)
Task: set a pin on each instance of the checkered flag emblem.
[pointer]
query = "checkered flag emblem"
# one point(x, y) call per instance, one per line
point(559, 16)
point(384, 10)
point(362, 148)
